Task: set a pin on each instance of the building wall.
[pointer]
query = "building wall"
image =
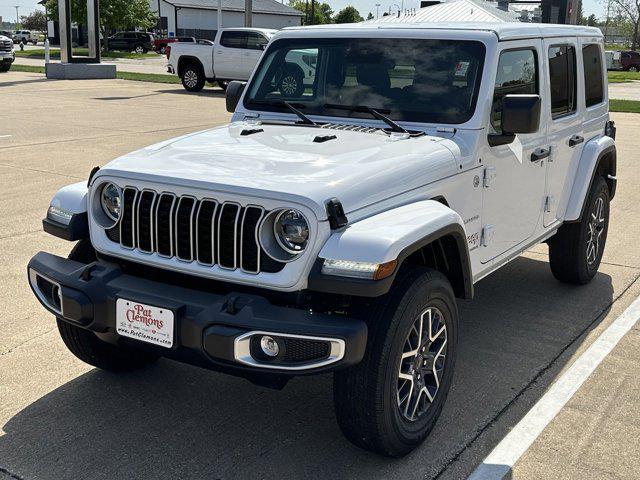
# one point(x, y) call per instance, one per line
point(207, 20)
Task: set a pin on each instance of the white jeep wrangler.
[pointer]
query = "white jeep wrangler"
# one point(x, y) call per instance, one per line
point(333, 229)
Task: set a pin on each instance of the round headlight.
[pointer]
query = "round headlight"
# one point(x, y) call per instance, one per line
point(111, 201)
point(291, 230)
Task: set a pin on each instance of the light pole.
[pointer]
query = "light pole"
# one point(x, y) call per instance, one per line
point(17, 7)
point(377, 10)
point(394, 5)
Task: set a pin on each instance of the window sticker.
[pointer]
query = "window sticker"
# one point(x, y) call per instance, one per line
point(461, 69)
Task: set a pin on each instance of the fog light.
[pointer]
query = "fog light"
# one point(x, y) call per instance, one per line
point(269, 346)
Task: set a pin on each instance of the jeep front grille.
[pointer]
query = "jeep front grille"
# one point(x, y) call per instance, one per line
point(6, 45)
point(206, 231)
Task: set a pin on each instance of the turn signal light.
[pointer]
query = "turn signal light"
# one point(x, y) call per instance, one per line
point(364, 270)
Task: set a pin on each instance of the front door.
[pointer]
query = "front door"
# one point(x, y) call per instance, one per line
point(256, 43)
point(515, 173)
point(565, 128)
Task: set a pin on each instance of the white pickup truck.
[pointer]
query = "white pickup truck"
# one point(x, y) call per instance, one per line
point(233, 56)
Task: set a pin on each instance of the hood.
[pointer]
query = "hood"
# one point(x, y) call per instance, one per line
point(284, 162)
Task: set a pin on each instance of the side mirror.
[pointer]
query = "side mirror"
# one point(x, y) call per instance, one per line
point(234, 92)
point(520, 114)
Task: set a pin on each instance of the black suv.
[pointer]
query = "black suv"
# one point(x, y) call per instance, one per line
point(138, 42)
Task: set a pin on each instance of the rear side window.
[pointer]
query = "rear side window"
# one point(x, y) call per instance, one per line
point(517, 74)
point(234, 40)
point(593, 88)
point(255, 41)
point(562, 72)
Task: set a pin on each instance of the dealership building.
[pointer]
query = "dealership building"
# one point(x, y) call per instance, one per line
point(199, 18)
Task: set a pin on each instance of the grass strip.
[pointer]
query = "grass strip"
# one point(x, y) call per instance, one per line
point(627, 106)
point(138, 77)
point(55, 54)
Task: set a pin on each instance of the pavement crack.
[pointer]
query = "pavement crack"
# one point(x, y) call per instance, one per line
point(15, 347)
point(601, 262)
point(21, 167)
point(15, 476)
point(20, 234)
point(478, 432)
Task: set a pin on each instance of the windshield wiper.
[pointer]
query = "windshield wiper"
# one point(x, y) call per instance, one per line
point(282, 103)
point(377, 113)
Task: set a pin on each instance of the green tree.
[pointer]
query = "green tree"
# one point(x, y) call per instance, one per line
point(370, 16)
point(114, 14)
point(322, 12)
point(36, 20)
point(348, 15)
point(592, 21)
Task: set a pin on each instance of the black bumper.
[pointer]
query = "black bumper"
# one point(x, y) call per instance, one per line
point(206, 324)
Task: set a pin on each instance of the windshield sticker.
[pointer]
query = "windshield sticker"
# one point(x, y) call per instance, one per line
point(461, 69)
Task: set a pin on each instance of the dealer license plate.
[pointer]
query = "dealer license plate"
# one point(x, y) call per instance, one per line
point(144, 322)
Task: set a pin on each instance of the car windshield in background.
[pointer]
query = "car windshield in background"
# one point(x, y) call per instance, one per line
point(418, 80)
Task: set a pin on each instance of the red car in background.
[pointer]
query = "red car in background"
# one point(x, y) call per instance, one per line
point(160, 44)
point(630, 61)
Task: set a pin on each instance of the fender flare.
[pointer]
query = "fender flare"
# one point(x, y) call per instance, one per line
point(391, 235)
point(72, 222)
point(190, 59)
point(592, 155)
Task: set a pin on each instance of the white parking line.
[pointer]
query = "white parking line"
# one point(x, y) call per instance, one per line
point(502, 458)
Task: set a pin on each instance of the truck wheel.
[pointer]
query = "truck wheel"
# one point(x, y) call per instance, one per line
point(193, 78)
point(90, 349)
point(575, 251)
point(291, 84)
point(139, 49)
point(4, 67)
point(390, 402)
point(223, 84)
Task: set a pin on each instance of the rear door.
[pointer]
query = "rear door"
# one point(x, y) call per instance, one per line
point(117, 41)
point(566, 137)
point(256, 43)
point(229, 54)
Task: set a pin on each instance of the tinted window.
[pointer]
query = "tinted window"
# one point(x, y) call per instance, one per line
point(562, 72)
point(255, 41)
point(593, 88)
point(420, 80)
point(517, 74)
point(234, 40)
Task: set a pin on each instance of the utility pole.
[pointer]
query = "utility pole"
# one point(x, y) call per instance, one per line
point(377, 10)
point(248, 12)
point(17, 7)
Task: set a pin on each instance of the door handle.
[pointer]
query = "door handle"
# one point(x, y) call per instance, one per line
point(575, 140)
point(540, 153)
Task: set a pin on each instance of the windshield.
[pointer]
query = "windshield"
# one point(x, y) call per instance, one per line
point(418, 80)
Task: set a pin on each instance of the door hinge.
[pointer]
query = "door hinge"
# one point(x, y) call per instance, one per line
point(489, 174)
point(548, 203)
point(487, 235)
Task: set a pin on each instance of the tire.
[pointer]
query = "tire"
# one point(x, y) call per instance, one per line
point(291, 84)
point(5, 67)
point(632, 68)
point(574, 252)
point(223, 84)
point(86, 346)
point(139, 49)
point(163, 50)
point(193, 78)
point(367, 396)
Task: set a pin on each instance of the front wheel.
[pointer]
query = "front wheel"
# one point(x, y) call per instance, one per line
point(139, 49)
point(86, 346)
point(390, 402)
point(4, 67)
point(575, 251)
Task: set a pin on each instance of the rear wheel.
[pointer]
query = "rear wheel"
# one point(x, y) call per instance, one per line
point(291, 83)
point(575, 251)
point(193, 78)
point(139, 49)
point(85, 345)
point(389, 403)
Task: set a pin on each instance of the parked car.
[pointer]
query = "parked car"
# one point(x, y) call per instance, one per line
point(138, 42)
point(627, 60)
point(25, 36)
point(160, 44)
point(7, 56)
point(233, 56)
point(7, 33)
point(333, 230)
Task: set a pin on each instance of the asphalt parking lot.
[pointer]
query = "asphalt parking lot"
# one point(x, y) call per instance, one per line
point(60, 419)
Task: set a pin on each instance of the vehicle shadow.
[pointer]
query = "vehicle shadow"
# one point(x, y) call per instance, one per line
point(176, 421)
point(208, 91)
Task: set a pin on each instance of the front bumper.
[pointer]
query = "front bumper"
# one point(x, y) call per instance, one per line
point(7, 57)
point(212, 330)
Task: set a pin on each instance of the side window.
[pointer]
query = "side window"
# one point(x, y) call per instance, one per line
point(593, 88)
point(562, 73)
point(255, 41)
point(517, 74)
point(233, 40)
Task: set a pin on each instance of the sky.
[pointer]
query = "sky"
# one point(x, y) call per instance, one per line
point(8, 12)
